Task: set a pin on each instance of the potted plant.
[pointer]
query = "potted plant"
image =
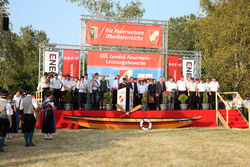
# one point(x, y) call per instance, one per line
point(68, 99)
point(205, 104)
point(88, 105)
point(182, 98)
point(144, 102)
point(164, 105)
point(108, 101)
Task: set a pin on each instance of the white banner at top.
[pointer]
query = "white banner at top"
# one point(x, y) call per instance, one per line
point(188, 68)
point(51, 59)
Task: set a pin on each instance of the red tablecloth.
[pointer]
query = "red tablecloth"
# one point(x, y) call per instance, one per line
point(208, 116)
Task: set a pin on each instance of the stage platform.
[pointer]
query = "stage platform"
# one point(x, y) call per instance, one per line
point(208, 117)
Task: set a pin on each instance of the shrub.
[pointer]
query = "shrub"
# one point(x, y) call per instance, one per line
point(183, 98)
point(205, 97)
point(108, 98)
point(88, 98)
point(144, 100)
point(68, 98)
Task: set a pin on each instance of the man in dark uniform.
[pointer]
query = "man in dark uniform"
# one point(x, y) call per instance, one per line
point(124, 84)
point(28, 105)
point(5, 117)
point(160, 87)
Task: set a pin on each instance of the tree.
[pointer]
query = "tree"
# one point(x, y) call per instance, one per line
point(179, 37)
point(223, 36)
point(19, 58)
point(111, 8)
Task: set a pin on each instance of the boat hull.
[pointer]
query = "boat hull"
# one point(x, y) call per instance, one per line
point(128, 123)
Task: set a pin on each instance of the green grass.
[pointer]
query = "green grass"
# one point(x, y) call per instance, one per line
point(170, 147)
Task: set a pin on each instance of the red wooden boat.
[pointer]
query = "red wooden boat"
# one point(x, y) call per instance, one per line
point(129, 123)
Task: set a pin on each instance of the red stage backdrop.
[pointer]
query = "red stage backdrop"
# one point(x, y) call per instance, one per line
point(120, 34)
point(71, 58)
point(174, 67)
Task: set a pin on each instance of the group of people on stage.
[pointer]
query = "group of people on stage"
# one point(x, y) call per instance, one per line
point(18, 112)
point(98, 85)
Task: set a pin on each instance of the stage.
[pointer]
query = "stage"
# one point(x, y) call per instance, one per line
point(208, 117)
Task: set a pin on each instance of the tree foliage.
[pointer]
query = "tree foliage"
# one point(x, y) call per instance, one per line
point(111, 8)
point(223, 36)
point(179, 37)
point(19, 58)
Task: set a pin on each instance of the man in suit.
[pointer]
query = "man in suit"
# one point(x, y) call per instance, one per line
point(135, 90)
point(124, 84)
point(160, 87)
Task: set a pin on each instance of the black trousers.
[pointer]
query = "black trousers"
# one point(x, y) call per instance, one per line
point(4, 126)
point(82, 99)
point(192, 100)
point(114, 98)
point(29, 123)
point(213, 100)
point(45, 90)
point(57, 96)
point(200, 100)
point(158, 100)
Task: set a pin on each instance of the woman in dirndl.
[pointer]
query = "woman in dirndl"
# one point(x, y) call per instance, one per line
point(49, 125)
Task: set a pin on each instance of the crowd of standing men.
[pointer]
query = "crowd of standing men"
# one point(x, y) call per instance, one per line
point(98, 85)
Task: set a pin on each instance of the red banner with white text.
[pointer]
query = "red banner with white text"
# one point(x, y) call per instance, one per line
point(174, 67)
point(121, 34)
point(71, 58)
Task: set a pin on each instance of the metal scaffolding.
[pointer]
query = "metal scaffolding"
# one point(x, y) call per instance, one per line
point(84, 48)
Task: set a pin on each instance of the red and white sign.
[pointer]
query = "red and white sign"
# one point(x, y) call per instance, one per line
point(188, 68)
point(121, 34)
point(124, 60)
point(71, 59)
point(51, 59)
point(174, 67)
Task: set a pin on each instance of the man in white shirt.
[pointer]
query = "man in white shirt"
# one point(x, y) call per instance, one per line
point(5, 117)
point(201, 89)
point(82, 89)
point(247, 101)
point(95, 89)
point(60, 75)
point(171, 88)
point(68, 84)
point(28, 104)
point(44, 83)
point(115, 87)
point(56, 84)
point(240, 105)
point(192, 87)
point(213, 88)
point(181, 86)
point(17, 98)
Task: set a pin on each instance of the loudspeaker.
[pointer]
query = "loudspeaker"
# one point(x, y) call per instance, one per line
point(5, 23)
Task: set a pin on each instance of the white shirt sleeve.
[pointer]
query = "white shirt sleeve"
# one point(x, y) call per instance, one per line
point(21, 105)
point(9, 109)
point(34, 103)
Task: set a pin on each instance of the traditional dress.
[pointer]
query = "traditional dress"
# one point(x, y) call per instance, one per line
point(49, 125)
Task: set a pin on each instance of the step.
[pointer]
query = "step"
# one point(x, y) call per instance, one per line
point(239, 126)
point(230, 119)
point(232, 115)
point(238, 123)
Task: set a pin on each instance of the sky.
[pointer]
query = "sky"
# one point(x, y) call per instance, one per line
point(60, 19)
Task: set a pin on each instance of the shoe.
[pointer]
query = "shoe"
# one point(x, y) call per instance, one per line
point(50, 138)
point(4, 144)
point(32, 145)
point(2, 150)
point(26, 145)
point(46, 138)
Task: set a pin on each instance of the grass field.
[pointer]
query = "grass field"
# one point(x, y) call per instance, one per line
point(170, 147)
